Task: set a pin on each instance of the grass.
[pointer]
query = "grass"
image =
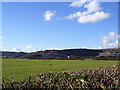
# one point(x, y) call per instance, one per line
point(20, 68)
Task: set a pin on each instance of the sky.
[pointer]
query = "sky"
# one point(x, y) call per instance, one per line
point(34, 26)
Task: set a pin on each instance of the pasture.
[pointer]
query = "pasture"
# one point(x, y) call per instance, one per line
point(20, 68)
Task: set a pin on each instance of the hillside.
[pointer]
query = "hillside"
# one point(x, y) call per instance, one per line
point(12, 54)
point(63, 54)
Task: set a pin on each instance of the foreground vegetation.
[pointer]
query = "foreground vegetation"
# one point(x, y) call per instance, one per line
point(20, 68)
point(106, 78)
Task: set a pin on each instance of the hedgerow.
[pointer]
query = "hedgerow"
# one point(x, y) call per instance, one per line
point(102, 78)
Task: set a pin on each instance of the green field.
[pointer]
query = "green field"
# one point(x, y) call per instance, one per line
point(20, 68)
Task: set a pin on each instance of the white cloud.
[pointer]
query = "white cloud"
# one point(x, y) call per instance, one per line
point(53, 48)
point(92, 13)
point(76, 15)
point(28, 48)
point(16, 50)
point(110, 40)
point(93, 6)
point(112, 44)
point(48, 15)
point(98, 16)
point(85, 17)
point(79, 3)
point(98, 47)
point(31, 48)
point(118, 36)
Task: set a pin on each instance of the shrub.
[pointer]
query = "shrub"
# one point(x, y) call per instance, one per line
point(103, 78)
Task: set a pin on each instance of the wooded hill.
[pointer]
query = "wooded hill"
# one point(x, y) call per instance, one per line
point(6, 54)
point(64, 54)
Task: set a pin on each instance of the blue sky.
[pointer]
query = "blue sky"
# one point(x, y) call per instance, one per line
point(26, 28)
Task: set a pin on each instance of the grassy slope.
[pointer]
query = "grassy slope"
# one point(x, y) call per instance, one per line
point(20, 68)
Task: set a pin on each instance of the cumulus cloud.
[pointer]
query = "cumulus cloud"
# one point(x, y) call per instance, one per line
point(28, 48)
point(93, 6)
point(112, 44)
point(79, 3)
point(110, 40)
point(109, 37)
point(93, 12)
point(118, 36)
point(76, 15)
point(98, 16)
point(48, 15)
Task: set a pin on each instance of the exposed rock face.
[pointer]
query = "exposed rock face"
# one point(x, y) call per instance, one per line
point(109, 54)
